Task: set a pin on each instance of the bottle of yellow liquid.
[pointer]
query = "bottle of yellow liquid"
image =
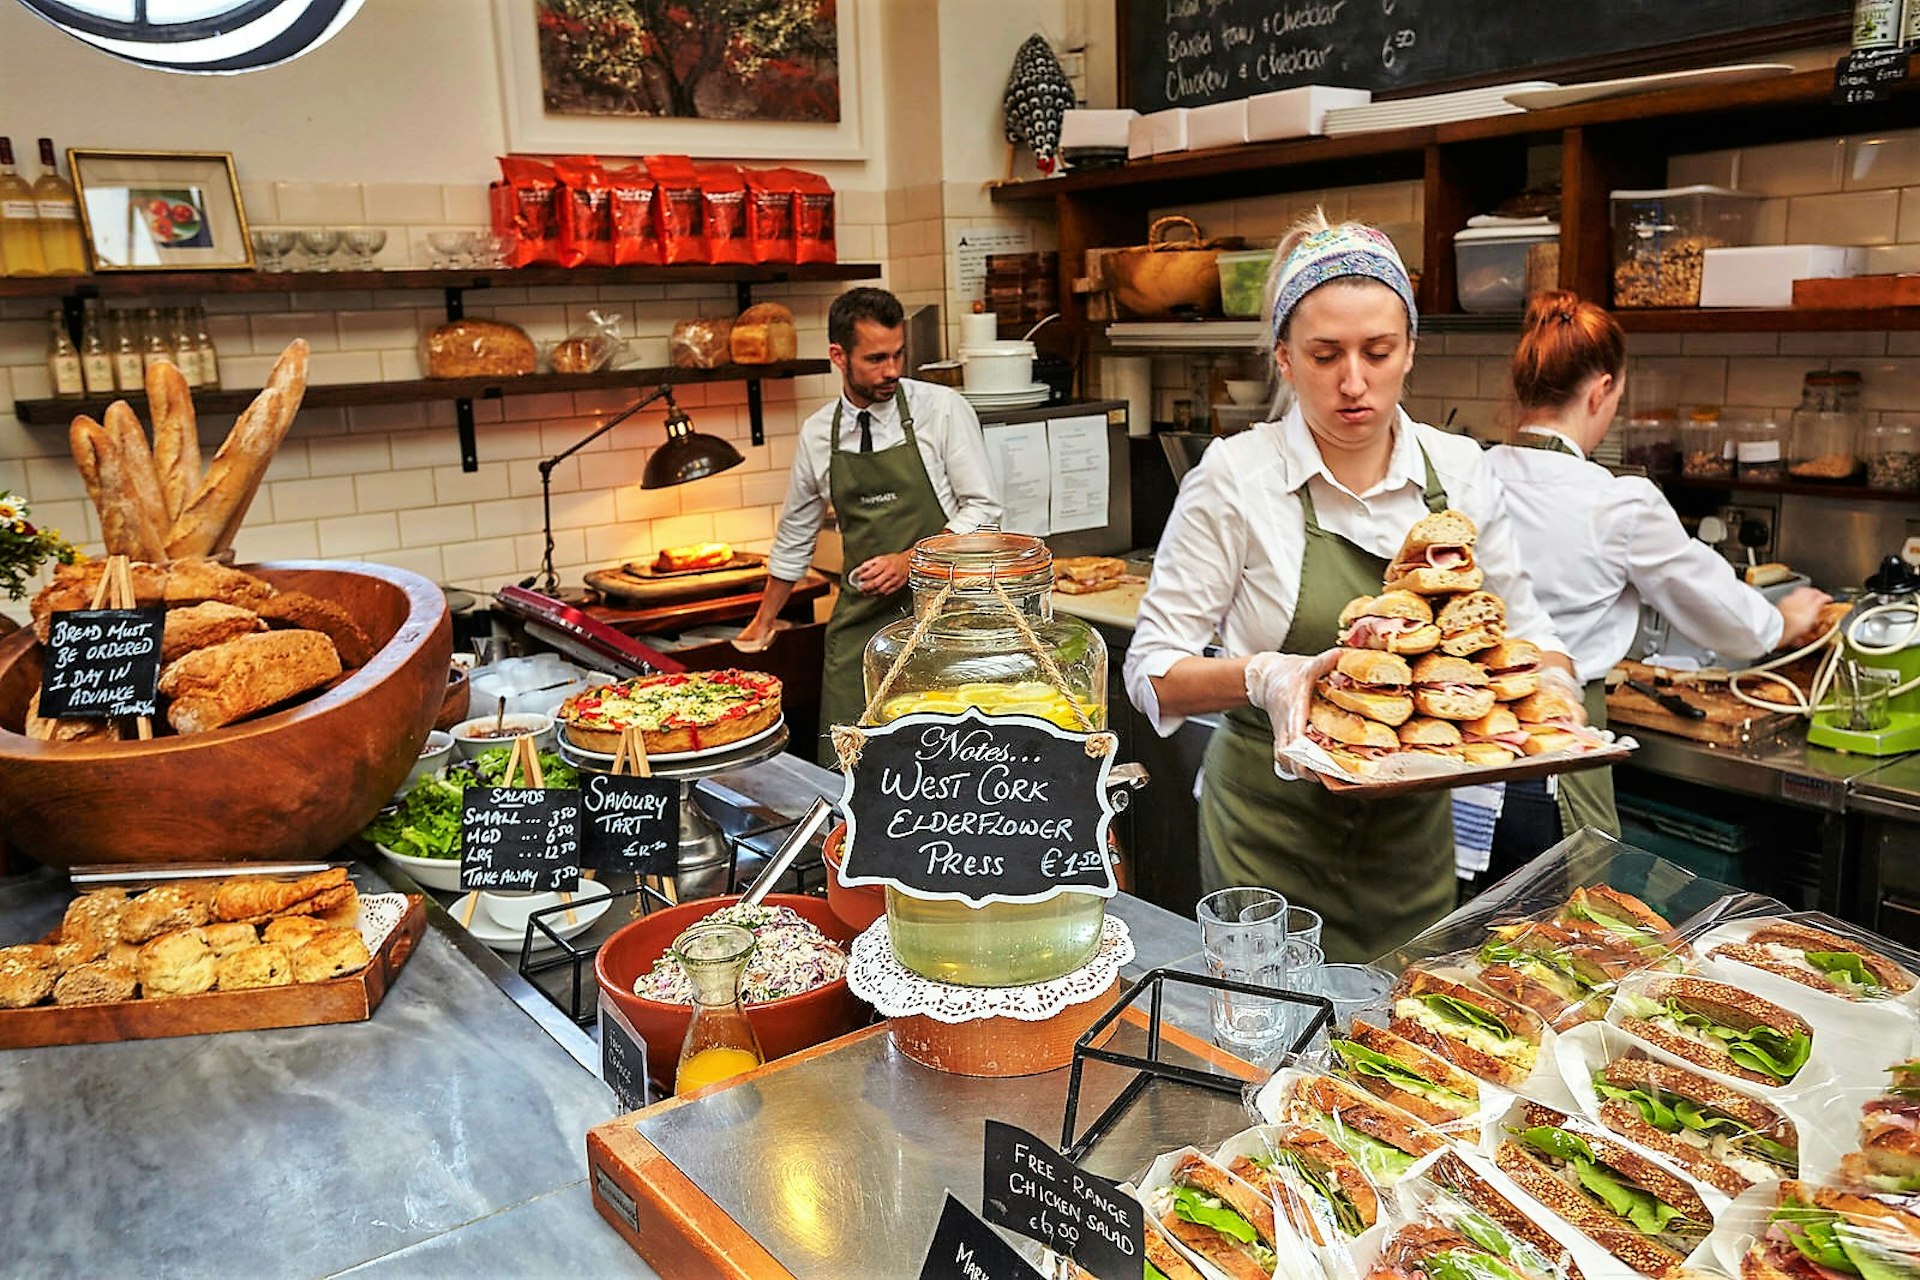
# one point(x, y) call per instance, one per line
point(720, 1042)
point(20, 251)
point(59, 212)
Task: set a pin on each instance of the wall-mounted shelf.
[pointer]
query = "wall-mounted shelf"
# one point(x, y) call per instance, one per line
point(1801, 488)
point(72, 292)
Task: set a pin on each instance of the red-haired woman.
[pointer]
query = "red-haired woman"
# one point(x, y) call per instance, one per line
point(1596, 545)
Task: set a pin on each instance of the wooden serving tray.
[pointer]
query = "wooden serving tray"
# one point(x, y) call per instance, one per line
point(741, 560)
point(1518, 771)
point(350, 998)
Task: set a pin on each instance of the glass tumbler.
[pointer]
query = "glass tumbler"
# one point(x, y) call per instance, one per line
point(1244, 935)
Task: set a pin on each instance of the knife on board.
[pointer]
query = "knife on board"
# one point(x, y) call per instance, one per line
point(1671, 701)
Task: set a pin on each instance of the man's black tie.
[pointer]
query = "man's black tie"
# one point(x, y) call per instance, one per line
point(866, 431)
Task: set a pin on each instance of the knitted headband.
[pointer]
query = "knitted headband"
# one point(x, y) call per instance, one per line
point(1346, 250)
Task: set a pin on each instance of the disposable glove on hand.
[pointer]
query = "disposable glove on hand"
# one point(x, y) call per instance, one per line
point(1281, 684)
point(1563, 682)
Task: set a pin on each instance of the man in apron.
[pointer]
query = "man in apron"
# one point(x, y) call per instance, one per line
point(900, 460)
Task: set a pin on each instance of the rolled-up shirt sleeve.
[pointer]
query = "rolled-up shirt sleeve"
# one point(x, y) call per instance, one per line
point(1506, 575)
point(800, 521)
point(1192, 586)
point(976, 496)
point(1691, 585)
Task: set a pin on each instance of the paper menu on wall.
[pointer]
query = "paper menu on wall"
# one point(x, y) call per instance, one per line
point(1077, 449)
point(1023, 471)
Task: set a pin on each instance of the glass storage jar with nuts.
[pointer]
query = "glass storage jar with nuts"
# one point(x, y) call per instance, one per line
point(1759, 449)
point(1661, 237)
point(1706, 452)
point(1893, 452)
point(1825, 440)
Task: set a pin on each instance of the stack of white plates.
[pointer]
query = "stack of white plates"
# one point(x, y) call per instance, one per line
point(1434, 108)
point(1031, 397)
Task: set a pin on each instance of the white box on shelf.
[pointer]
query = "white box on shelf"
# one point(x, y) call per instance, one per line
point(1220, 124)
point(1762, 275)
point(1298, 113)
point(1157, 133)
point(1098, 128)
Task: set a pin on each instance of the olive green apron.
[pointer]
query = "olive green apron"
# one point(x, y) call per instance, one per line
point(1377, 871)
point(885, 504)
point(1585, 798)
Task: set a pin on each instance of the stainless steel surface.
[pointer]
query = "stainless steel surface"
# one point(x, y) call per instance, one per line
point(1183, 450)
point(1838, 542)
point(798, 839)
point(1785, 769)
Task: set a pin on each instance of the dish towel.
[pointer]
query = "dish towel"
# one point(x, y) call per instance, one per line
point(1475, 811)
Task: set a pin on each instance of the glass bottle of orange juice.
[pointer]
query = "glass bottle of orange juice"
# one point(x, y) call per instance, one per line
point(720, 1043)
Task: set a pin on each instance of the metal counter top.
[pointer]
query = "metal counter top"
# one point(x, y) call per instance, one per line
point(1783, 768)
point(1892, 789)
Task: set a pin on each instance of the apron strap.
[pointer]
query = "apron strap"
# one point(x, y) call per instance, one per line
point(1543, 440)
point(1435, 494)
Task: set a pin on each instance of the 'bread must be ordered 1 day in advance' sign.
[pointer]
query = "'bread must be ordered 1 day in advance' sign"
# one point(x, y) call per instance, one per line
point(979, 808)
point(102, 663)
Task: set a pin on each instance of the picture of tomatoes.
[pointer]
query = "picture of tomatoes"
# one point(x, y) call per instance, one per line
point(172, 217)
point(184, 213)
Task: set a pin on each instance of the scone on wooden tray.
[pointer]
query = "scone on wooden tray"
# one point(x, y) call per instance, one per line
point(330, 955)
point(162, 910)
point(96, 982)
point(178, 964)
point(27, 976)
point(267, 964)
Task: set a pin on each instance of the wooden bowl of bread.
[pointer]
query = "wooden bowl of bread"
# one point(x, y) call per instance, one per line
point(279, 738)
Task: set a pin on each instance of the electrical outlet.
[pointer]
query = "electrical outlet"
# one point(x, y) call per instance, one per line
point(1735, 517)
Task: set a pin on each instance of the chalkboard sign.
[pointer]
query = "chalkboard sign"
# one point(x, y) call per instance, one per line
point(1186, 53)
point(965, 1248)
point(630, 824)
point(102, 663)
point(979, 809)
point(623, 1059)
point(1868, 75)
point(1034, 1190)
point(520, 838)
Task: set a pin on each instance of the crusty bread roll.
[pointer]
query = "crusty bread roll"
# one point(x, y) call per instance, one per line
point(122, 526)
point(478, 348)
point(197, 579)
point(42, 729)
point(143, 481)
point(700, 344)
point(176, 437)
point(764, 334)
point(216, 686)
point(200, 626)
point(73, 586)
point(298, 610)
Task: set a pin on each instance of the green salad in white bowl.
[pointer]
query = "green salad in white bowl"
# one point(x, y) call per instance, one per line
point(422, 831)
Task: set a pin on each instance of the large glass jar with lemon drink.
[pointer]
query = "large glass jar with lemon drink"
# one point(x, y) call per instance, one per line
point(971, 652)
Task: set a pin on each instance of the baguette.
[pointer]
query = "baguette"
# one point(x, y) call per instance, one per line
point(176, 439)
point(98, 457)
point(216, 686)
point(288, 377)
point(136, 457)
point(213, 514)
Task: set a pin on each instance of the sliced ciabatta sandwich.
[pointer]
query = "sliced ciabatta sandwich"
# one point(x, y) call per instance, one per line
point(1394, 621)
point(1356, 743)
point(1719, 1027)
point(1513, 668)
point(1370, 683)
point(1479, 1032)
point(1827, 1234)
point(1723, 1137)
point(1471, 622)
point(1815, 958)
point(1551, 719)
point(1496, 738)
point(1427, 736)
point(1450, 688)
point(1889, 1154)
point(1436, 558)
point(1395, 1069)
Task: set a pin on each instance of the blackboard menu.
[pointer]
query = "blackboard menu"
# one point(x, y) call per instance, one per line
point(1031, 1188)
point(980, 808)
point(1186, 53)
point(630, 824)
point(101, 663)
point(520, 839)
point(623, 1059)
point(965, 1248)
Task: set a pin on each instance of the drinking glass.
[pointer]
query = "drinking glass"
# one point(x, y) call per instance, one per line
point(498, 248)
point(1243, 933)
point(1305, 924)
point(1864, 695)
point(1301, 964)
point(274, 246)
point(363, 243)
point(447, 247)
point(1356, 989)
point(320, 244)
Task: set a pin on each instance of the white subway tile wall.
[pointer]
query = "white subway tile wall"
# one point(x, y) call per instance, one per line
point(383, 482)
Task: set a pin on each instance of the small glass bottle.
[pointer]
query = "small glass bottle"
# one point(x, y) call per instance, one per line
point(129, 370)
point(96, 362)
point(186, 352)
point(63, 362)
point(155, 349)
point(204, 349)
point(720, 1042)
point(1705, 451)
point(59, 212)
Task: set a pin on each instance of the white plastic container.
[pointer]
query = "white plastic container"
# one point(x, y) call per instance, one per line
point(1762, 275)
point(1080, 127)
point(1221, 124)
point(1157, 133)
point(1297, 113)
point(997, 367)
point(1492, 264)
point(1661, 238)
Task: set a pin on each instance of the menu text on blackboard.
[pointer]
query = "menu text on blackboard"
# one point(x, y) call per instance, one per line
point(1034, 1190)
point(965, 1248)
point(101, 663)
point(630, 824)
point(623, 1060)
point(979, 808)
point(520, 839)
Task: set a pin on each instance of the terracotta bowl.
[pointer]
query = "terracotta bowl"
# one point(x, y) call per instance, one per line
point(295, 783)
point(783, 1026)
point(857, 905)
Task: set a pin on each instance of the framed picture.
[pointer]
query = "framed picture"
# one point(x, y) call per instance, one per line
point(161, 210)
point(735, 79)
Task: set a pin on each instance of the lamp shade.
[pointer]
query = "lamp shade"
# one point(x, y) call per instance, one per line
point(687, 455)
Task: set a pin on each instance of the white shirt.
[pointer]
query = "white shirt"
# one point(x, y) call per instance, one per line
point(1598, 544)
point(948, 433)
point(1229, 560)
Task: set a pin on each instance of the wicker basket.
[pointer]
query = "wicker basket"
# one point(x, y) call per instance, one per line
point(1165, 278)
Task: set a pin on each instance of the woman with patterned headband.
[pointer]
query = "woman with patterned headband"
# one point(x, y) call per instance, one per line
point(1272, 534)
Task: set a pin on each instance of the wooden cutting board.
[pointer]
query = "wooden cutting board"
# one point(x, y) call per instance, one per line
point(1725, 716)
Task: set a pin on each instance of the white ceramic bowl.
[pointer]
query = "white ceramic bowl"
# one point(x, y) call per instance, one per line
point(434, 756)
point(469, 745)
point(429, 873)
point(1247, 391)
point(997, 367)
point(510, 910)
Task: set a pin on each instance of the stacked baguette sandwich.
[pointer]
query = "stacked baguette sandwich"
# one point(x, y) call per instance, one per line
point(1427, 667)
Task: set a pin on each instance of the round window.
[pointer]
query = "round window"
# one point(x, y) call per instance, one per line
point(218, 37)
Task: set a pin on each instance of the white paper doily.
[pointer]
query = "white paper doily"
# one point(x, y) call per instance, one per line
point(380, 915)
point(876, 975)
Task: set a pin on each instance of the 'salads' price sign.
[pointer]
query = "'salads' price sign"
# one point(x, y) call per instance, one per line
point(102, 663)
point(520, 839)
point(631, 824)
point(979, 809)
point(965, 1248)
point(1034, 1190)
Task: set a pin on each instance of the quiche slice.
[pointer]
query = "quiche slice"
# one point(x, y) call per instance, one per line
point(687, 711)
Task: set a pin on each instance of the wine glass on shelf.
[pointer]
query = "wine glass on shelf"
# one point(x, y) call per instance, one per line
point(273, 247)
point(498, 247)
point(447, 247)
point(363, 243)
point(320, 244)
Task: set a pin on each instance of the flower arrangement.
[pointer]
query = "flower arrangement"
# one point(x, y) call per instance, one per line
point(24, 548)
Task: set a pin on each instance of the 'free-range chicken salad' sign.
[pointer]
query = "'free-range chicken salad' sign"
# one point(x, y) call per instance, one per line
point(1004, 808)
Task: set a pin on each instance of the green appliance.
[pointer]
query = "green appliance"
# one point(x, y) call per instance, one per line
point(1880, 635)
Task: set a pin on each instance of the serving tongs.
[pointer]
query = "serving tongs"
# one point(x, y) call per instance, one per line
point(799, 838)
